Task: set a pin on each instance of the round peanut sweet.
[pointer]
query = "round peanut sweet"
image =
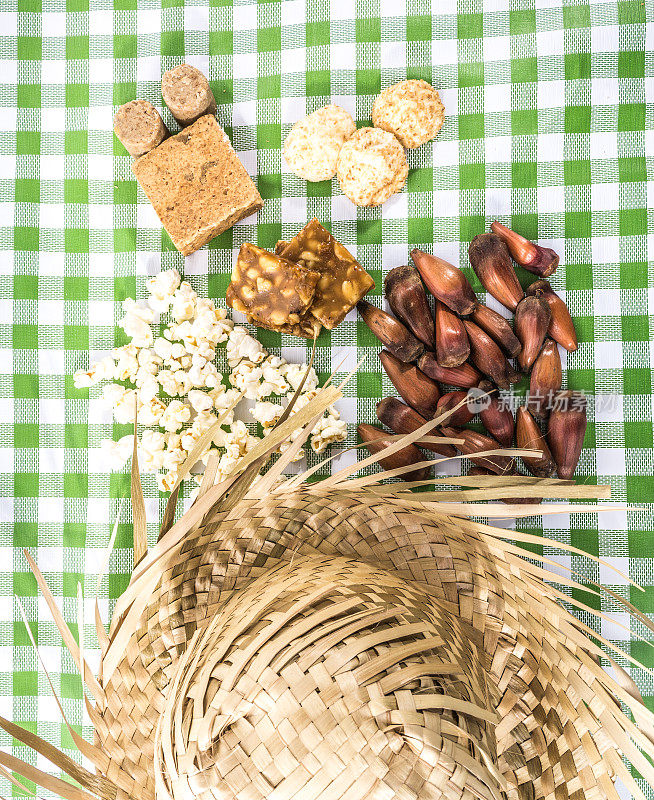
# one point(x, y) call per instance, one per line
point(371, 167)
point(187, 94)
point(411, 110)
point(311, 148)
point(139, 127)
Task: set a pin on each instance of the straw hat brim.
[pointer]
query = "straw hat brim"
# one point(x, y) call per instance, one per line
point(524, 708)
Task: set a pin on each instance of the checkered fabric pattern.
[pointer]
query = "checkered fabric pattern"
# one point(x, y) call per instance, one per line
point(549, 119)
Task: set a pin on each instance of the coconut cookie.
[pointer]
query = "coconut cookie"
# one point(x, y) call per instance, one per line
point(312, 147)
point(411, 110)
point(372, 166)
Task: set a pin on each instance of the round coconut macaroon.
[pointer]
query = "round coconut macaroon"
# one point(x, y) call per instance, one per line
point(412, 110)
point(372, 166)
point(311, 148)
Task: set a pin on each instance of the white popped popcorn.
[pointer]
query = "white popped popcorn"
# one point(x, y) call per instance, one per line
point(239, 441)
point(190, 439)
point(225, 466)
point(112, 392)
point(294, 374)
point(286, 445)
point(329, 429)
point(162, 288)
point(206, 375)
point(136, 323)
point(302, 400)
point(148, 360)
point(222, 400)
point(148, 386)
point(183, 381)
point(241, 346)
point(126, 363)
point(167, 376)
point(116, 454)
point(266, 413)
point(173, 459)
point(125, 406)
point(150, 412)
point(178, 351)
point(202, 423)
point(168, 382)
point(200, 401)
point(273, 380)
point(98, 371)
point(175, 415)
point(166, 481)
point(85, 378)
point(183, 304)
point(151, 451)
point(202, 373)
point(173, 440)
point(163, 348)
point(246, 377)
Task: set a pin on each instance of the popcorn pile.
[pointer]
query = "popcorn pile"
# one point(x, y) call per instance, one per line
point(173, 381)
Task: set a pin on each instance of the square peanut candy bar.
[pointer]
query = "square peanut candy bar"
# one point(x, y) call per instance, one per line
point(197, 185)
point(273, 291)
point(343, 281)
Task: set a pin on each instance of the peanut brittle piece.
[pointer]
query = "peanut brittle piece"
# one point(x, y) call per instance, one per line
point(343, 281)
point(308, 327)
point(271, 289)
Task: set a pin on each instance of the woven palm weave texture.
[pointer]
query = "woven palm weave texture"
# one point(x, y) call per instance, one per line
point(547, 125)
point(347, 641)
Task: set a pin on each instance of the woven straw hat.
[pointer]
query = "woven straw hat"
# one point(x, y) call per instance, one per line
point(344, 640)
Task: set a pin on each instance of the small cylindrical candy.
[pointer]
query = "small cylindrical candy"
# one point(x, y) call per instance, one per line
point(187, 94)
point(139, 127)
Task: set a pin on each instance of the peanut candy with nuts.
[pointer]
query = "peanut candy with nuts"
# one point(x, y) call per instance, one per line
point(308, 327)
point(274, 291)
point(343, 281)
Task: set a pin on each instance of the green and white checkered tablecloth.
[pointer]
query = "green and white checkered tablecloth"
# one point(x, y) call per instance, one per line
point(549, 123)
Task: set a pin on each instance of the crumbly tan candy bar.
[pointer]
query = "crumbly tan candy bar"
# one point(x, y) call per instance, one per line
point(139, 127)
point(271, 289)
point(187, 94)
point(343, 281)
point(197, 185)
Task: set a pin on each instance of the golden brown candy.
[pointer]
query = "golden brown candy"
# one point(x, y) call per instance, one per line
point(272, 290)
point(343, 281)
point(308, 327)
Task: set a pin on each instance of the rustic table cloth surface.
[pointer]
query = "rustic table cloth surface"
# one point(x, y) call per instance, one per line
point(548, 127)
